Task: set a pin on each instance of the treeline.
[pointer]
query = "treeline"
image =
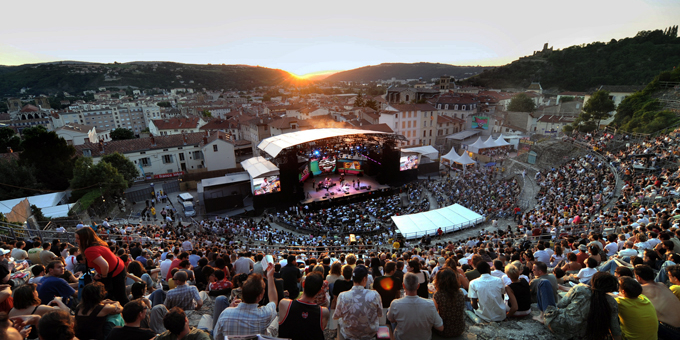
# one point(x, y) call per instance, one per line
point(629, 61)
point(53, 78)
point(405, 71)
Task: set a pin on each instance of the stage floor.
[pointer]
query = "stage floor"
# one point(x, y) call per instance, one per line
point(311, 195)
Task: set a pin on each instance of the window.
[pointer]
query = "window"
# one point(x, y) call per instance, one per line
point(446, 107)
point(181, 156)
point(430, 133)
point(455, 107)
point(198, 155)
point(167, 159)
point(214, 147)
point(424, 133)
point(146, 162)
point(439, 106)
point(463, 107)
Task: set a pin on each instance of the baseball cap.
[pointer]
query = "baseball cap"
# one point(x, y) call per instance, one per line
point(360, 272)
point(582, 247)
point(3, 251)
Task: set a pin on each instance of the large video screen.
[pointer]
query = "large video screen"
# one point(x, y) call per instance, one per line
point(408, 162)
point(303, 172)
point(266, 185)
point(322, 165)
point(350, 166)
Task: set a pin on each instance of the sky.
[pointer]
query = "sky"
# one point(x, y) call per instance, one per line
point(305, 37)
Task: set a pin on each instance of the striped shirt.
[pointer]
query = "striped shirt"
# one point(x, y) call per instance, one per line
point(244, 319)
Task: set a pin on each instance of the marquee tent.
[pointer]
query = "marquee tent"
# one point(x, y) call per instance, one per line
point(478, 144)
point(501, 141)
point(451, 218)
point(428, 151)
point(465, 159)
point(450, 157)
point(489, 143)
point(259, 167)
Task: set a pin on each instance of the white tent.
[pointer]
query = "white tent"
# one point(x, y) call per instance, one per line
point(259, 167)
point(501, 141)
point(465, 159)
point(478, 144)
point(50, 204)
point(428, 151)
point(451, 218)
point(489, 143)
point(450, 157)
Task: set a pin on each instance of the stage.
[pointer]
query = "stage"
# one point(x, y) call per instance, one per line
point(336, 191)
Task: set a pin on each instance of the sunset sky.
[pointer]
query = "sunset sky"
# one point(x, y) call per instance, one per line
point(304, 37)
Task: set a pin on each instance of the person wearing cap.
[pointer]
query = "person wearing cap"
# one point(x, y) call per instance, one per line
point(359, 309)
point(413, 316)
point(183, 295)
point(582, 254)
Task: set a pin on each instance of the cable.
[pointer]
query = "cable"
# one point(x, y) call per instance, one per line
point(46, 190)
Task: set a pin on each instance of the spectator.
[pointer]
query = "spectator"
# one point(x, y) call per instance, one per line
point(519, 293)
point(53, 285)
point(34, 253)
point(110, 269)
point(18, 253)
point(71, 260)
point(359, 308)
point(335, 273)
point(245, 317)
point(133, 313)
point(636, 313)
point(47, 256)
point(674, 277)
point(177, 325)
point(10, 330)
point(486, 294)
point(473, 274)
point(423, 279)
point(183, 295)
point(413, 315)
point(27, 302)
point(342, 285)
point(388, 286)
point(92, 311)
point(38, 272)
point(540, 271)
point(56, 325)
point(663, 300)
point(243, 265)
point(304, 318)
point(449, 302)
point(321, 297)
point(584, 310)
point(290, 273)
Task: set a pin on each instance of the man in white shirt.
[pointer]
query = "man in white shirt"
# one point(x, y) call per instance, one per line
point(585, 274)
point(165, 265)
point(71, 261)
point(486, 294)
point(498, 269)
point(541, 255)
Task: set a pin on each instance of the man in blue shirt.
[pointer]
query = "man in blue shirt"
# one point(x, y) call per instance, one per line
point(52, 285)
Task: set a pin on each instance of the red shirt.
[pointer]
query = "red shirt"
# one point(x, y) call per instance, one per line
point(95, 252)
point(173, 264)
point(219, 285)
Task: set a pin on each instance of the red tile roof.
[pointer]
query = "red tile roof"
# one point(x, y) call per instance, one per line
point(30, 108)
point(142, 144)
point(177, 123)
point(413, 107)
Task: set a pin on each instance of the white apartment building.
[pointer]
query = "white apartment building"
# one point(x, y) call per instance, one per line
point(416, 122)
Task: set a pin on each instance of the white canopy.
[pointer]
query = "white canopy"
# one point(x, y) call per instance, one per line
point(501, 141)
point(50, 204)
point(489, 143)
point(226, 179)
point(273, 145)
point(465, 159)
point(451, 218)
point(463, 134)
point(428, 151)
point(452, 156)
point(259, 167)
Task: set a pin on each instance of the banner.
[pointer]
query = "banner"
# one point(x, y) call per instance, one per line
point(480, 123)
point(169, 174)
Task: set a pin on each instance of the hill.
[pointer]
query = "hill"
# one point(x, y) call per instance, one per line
point(74, 77)
point(405, 71)
point(629, 61)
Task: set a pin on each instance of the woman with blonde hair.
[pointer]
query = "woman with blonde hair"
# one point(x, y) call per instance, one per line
point(519, 293)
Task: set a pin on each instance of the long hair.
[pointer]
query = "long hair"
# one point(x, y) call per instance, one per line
point(415, 265)
point(88, 238)
point(136, 268)
point(375, 267)
point(93, 294)
point(446, 281)
point(598, 326)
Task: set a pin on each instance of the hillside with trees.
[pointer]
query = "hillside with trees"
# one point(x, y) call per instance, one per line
point(74, 77)
point(405, 71)
point(629, 61)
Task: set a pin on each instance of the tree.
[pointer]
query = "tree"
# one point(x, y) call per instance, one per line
point(87, 176)
point(206, 113)
point(122, 133)
point(372, 104)
point(38, 214)
point(51, 156)
point(164, 104)
point(18, 180)
point(9, 140)
point(599, 106)
point(124, 166)
point(359, 100)
point(522, 103)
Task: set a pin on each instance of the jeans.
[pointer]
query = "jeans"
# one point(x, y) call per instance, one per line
point(662, 276)
point(221, 303)
point(667, 332)
point(115, 287)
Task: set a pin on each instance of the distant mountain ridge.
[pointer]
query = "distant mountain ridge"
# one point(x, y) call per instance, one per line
point(74, 76)
point(629, 61)
point(405, 71)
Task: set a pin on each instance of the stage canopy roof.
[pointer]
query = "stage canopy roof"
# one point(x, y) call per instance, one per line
point(226, 179)
point(463, 134)
point(501, 141)
point(465, 159)
point(451, 218)
point(428, 151)
point(273, 145)
point(259, 167)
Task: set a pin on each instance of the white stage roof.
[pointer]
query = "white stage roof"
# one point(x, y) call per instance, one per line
point(48, 203)
point(273, 145)
point(451, 218)
point(259, 167)
point(427, 151)
point(463, 134)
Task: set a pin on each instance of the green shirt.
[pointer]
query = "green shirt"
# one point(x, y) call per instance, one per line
point(638, 318)
point(194, 334)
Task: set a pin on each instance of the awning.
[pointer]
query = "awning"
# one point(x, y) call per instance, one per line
point(428, 151)
point(463, 134)
point(451, 218)
point(259, 167)
point(226, 179)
